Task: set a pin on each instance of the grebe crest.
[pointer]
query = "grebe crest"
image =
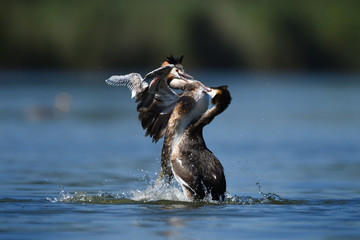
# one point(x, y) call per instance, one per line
point(177, 77)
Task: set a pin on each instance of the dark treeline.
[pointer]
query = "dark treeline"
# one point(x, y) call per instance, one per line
point(242, 35)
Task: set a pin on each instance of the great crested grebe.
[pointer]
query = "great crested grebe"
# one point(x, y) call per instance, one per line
point(194, 166)
point(181, 117)
point(157, 100)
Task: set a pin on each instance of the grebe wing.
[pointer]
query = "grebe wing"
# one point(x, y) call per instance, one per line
point(159, 71)
point(157, 104)
point(155, 101)
point(133, 81)
point(159, 85)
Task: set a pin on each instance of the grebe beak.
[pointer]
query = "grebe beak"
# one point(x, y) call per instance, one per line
point(205, 88)
point(185, 76)
point(212, 92)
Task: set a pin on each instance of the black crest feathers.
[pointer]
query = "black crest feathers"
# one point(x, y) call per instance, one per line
point(173, 60)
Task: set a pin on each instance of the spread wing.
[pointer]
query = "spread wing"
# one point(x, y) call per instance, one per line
point(133, 81)
point(155, 102)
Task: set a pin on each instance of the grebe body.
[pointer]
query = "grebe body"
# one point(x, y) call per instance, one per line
point(193, 165)
point(181, 119)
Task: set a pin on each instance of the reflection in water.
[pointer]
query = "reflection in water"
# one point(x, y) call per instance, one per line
point(174, 226)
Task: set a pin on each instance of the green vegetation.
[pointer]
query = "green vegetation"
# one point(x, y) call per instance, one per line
point(244, 35)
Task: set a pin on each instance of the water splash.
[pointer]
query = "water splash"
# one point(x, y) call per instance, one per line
point(156, 191)
point(269, 197)
point(160, 192)
point(83, 197)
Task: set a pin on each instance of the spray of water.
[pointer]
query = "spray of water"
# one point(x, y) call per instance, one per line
point(160, 192)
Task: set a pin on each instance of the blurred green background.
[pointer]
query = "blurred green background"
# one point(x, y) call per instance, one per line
point(240, 35)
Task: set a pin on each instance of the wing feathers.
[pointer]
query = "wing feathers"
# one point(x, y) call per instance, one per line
point(133, 81)
point(155, 102)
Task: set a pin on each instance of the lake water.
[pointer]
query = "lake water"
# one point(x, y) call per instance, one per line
point(75, 163)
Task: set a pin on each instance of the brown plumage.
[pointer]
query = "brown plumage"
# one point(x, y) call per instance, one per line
point(156, 102)
point(194, 166)
point(182, 119)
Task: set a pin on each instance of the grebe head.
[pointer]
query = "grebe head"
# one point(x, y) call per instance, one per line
point(219, 95)
point(177, 78)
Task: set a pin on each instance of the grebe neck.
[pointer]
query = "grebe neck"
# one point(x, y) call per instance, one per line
point(189, 109)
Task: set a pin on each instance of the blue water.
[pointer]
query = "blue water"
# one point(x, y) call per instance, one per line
point(75, 163)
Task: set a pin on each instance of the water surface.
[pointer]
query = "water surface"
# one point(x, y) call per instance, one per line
point(75, 162)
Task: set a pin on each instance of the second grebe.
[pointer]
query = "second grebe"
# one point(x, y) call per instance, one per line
point(194, 166)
